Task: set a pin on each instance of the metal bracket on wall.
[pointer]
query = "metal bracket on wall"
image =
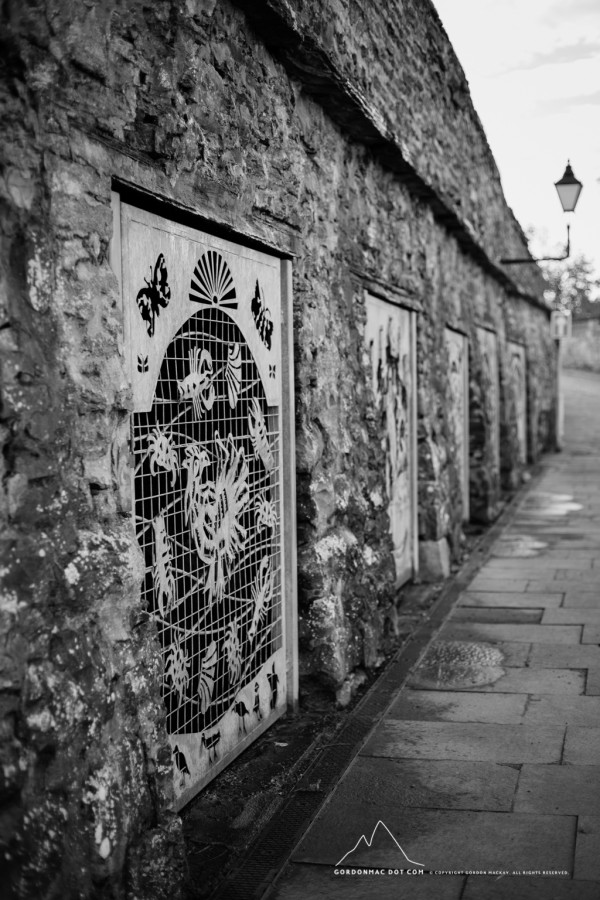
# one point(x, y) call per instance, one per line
point(531, 259)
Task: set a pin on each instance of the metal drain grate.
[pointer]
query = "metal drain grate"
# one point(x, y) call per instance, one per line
point(255, 873)
point(267, 855)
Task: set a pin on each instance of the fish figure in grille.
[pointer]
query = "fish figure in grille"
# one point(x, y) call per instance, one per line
point(198, 386)
point(213, 509)
point(155, 295)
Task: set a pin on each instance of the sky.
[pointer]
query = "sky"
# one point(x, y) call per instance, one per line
point(533, 68)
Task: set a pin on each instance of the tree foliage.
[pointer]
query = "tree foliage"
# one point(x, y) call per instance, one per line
point(573, 285)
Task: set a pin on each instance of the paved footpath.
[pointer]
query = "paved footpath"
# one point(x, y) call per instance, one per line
point(488, 760)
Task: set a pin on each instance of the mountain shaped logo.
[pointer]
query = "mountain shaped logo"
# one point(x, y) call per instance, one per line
point(381, 848)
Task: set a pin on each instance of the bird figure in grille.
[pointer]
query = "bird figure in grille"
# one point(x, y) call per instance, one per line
point(210, 742)
point(273, 679)
point(256, 708)
point(241, 710)
point(181, 763)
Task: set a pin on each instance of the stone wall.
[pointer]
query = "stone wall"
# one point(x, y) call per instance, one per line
point(337, 133)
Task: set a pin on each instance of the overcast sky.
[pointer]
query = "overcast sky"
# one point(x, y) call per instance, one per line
point(533, 67)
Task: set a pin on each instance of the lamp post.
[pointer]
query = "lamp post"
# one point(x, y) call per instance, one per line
point(568, 189)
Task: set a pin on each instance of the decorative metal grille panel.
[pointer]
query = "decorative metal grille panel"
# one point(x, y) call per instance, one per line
point(390, 340)
point(458, 358)
point(518, 389)
point(204, 339)
point(488, 343)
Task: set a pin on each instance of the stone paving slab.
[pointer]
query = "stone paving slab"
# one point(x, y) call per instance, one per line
point(456, 706)
point(548, 572)
point(469, 741)
point(546, 560)
point(537, 681)
point(441, 839)
point(504, 653)
point(582, 746)
point(540, 527)
point(429, 784)
point(542, 634)
point(528, 888)
point(582, 599)
point(306, 882)
point(591, 634)
point(571, 616)
point(507, 600)
point(497, 615)
point(513, 653)
point(592, 683)
point(587, 849)
point(534, 586)
point(524, 680)
point(574, 542)
point(555, 710)
point(581, 554)
point(515, 586)
point(591, 577)
point(564, 656)
point(558, 790)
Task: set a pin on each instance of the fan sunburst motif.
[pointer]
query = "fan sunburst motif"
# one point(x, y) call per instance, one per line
point(212, 283)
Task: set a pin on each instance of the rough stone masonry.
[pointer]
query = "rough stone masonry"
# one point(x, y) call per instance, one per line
point(340, 134)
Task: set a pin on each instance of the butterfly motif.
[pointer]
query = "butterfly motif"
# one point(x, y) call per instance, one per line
point(262, 317)
point(155, 295)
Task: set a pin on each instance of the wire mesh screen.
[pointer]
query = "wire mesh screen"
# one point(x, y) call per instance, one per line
point(208, 520)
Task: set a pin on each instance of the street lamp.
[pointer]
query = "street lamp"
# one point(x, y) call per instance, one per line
point(568, 189)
